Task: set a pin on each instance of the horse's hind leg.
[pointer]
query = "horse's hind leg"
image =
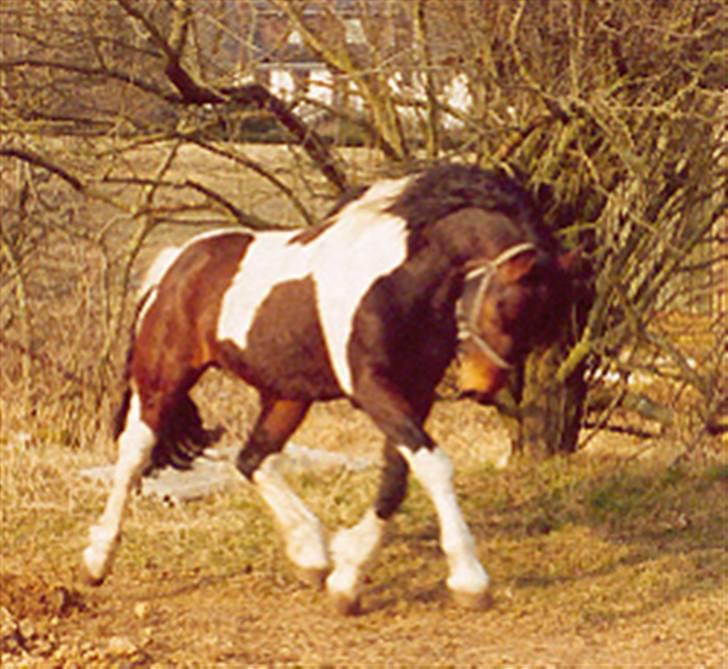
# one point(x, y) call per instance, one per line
point(301, 529)
point(135, 447)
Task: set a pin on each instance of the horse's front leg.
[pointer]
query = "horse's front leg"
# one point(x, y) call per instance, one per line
point(401, 421)
point(135, 446)
point(301, 529)
point(468, 581)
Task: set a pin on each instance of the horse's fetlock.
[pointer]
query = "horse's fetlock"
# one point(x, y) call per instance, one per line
point(96, 565)
point(102, 537)
point(342, 584)
point(306, 547)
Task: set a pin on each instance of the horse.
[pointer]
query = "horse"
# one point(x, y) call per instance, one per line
point(371, 304)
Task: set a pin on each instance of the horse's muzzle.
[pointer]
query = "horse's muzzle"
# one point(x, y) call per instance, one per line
point(478, 377)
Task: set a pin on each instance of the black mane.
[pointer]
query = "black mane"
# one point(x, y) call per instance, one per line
point(444, 189)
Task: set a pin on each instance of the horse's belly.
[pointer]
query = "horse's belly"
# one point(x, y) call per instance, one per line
point(285, 352)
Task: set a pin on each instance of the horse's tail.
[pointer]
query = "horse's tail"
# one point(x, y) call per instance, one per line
point(181, 436)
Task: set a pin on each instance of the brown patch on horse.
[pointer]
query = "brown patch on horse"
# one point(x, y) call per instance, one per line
point(176, 341)
point(286, 354)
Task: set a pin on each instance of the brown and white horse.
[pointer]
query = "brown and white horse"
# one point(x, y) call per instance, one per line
point(372, 304)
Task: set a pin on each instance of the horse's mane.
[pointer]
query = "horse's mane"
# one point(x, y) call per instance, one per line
point(439, 191)
point(444, 189)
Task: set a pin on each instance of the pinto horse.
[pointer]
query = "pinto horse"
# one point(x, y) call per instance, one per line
point(372, 304)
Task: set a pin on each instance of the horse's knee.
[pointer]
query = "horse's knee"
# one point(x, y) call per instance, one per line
point(431, 466)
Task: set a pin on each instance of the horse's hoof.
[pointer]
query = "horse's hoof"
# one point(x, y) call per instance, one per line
point(93, 569)
point(474, 601)
point(314, 577)
point(345, 605)
point(87, 578)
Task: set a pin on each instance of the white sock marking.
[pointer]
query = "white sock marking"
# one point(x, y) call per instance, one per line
point(302, 531)
point(434, 470)
point(135, 447)
point(351, 549)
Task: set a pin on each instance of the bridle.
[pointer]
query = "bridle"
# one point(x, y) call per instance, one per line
point(467, 321)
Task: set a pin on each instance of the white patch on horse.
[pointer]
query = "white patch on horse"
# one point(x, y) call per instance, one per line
point(135, 447)
point(363, 245)
point(302, 531)
point(153, 277)
point(434, 471)
point(269, 261)
point(351, 549)
point(161, 263)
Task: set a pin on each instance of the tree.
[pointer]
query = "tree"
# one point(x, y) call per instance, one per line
point(610, 108)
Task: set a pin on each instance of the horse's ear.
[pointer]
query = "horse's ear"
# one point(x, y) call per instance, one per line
point(518, 267)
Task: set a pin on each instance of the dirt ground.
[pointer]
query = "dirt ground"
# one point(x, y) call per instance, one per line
point(186, 619)
point(572, 597)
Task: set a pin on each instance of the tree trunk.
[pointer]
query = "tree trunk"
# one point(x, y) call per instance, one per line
point(551, 412)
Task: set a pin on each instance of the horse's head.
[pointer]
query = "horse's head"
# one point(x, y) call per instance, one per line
point(508, 306)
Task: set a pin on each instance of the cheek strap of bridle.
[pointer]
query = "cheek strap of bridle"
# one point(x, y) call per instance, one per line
point(467, 322)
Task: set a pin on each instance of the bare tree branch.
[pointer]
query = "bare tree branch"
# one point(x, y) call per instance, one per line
point(91, 72)
point(253, 95)
point(36, 159)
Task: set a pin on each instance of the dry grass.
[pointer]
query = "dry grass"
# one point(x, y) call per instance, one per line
point(621, 548)
point(584, 549)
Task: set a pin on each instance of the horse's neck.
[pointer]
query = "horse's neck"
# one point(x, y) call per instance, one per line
point(472, 235)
